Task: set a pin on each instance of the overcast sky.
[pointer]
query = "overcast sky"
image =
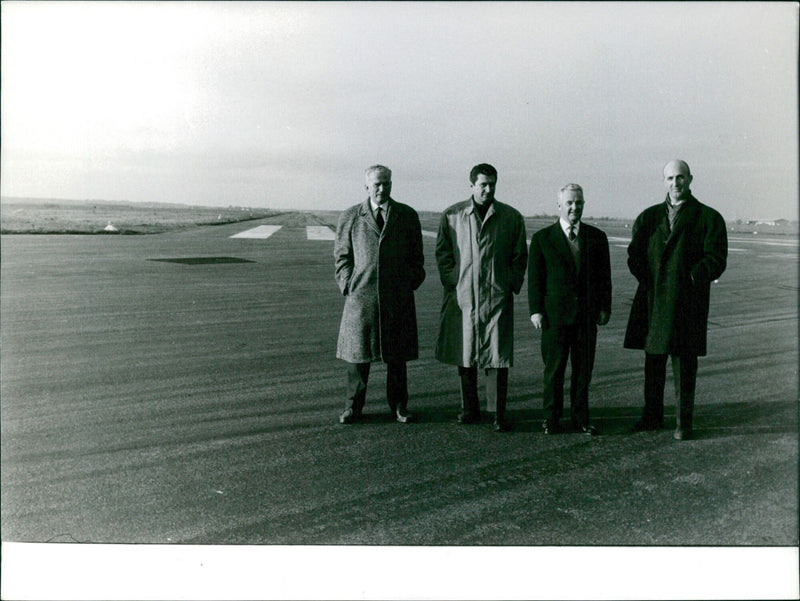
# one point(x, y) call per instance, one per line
point(285, 104)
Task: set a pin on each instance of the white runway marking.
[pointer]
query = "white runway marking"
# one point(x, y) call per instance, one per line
point(261, 232)
point(770, 242)
point(320, 232)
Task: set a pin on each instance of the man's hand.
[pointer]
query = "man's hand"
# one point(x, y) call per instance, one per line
point(537, 319)
point(603, 318)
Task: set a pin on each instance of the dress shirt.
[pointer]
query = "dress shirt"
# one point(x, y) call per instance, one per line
point(565, 225)
point(384, 207)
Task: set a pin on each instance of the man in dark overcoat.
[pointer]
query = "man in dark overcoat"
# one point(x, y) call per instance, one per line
point(679, 247)
point(379, 264)
point(569, 295)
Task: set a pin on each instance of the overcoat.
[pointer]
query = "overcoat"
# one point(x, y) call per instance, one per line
point(674, 269)
point(377, 272)
point(481, 266)
point(557, 288)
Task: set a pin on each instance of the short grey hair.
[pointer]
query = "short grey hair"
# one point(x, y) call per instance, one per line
point(566, 187)
point(378, 168)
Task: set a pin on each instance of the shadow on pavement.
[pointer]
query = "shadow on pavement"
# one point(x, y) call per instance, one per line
point(710, 421)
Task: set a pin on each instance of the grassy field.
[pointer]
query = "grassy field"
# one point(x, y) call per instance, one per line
point(42, 216)
point(22, 216)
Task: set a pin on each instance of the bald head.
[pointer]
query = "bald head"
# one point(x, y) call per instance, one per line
point(677, 179)
point(678, 165)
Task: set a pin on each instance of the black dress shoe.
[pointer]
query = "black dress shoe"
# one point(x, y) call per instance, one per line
point(467, 417)
point(552, 428)
point(647, 424)
point(404, 417)
point(348, 416)
point(682, 434)
point(501, 425)
point(588, 429)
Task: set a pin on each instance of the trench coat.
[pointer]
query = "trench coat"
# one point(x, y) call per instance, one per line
point(378, 272)
point(481, 266)
point(674, 269)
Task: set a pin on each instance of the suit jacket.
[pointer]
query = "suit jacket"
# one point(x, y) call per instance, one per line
point(377, 272)
point(560, 290)
point(675, 269)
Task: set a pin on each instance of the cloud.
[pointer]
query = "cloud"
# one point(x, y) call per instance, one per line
point(200, 100)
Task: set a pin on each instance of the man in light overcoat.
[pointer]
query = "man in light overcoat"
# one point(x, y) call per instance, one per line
point(481, 253)
point(678, 248)
point(379, 264)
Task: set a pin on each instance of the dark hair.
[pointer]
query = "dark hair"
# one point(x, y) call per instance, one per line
point(482, 169)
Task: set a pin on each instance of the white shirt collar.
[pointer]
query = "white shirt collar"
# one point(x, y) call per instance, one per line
point(565, 225)
point(374, 206)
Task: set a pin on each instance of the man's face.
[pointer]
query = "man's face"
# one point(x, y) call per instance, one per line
point(676, 180)
point(570, 206)
point(483, 188)
point(379, 186)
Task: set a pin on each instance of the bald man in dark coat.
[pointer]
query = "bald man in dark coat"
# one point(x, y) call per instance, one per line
point(678, 248)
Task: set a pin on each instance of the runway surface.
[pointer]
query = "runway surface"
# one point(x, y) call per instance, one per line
point(182, 388)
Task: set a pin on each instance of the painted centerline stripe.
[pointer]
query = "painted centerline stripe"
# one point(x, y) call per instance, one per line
point(261, 232)
point(320, 232)
point(765, 242)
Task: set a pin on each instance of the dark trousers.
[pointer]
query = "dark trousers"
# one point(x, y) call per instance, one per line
point(559, 344)
point(396, 385)
point(684, 373)
point(496, 390)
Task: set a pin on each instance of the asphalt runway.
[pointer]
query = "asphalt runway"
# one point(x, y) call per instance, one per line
point(152, 401)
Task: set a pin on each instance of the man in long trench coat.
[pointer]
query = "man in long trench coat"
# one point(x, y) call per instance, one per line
point(678, 248)
point(379, 264)
point(481, 252)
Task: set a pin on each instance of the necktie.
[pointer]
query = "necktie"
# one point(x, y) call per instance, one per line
point(379, 218)
point(573, 246)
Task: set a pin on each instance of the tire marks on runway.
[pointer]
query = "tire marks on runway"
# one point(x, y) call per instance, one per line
point(441, 499)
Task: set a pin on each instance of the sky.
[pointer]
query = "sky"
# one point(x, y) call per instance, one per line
point(283, 105)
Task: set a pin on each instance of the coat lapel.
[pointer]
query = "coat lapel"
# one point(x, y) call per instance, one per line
point(468, 217)
point(391, 217)
point(490, 212)
point(366, 215)
point(583, 243)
